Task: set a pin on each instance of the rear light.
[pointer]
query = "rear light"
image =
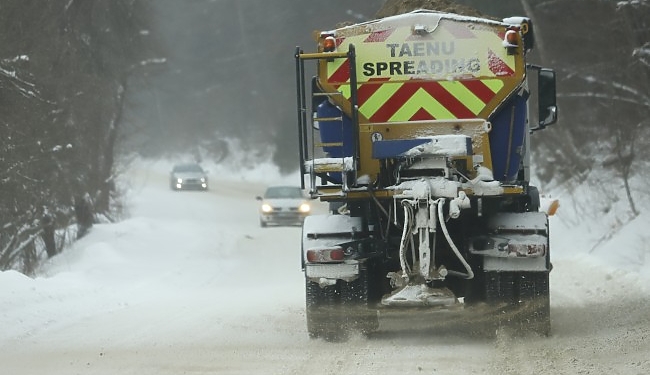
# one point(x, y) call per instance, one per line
point(526, 249)
point(325, 255)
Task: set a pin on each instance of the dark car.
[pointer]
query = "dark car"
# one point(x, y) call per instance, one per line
point(188, 176)
point(283, 205)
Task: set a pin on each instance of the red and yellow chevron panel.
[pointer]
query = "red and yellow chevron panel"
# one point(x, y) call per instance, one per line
point(421, 66)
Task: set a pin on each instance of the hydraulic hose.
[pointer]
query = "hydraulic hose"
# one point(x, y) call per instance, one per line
point(402, 246)
point(470, 273)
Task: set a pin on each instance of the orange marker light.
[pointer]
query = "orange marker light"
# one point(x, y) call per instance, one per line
point(512, 38)
point(552, 208)
point(329, 44)
point(549, 205)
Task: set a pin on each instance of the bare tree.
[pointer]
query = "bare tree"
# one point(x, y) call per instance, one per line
point(62, 78)
point(603, 89)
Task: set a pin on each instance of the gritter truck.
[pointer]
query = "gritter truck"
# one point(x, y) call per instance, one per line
point(415, 129)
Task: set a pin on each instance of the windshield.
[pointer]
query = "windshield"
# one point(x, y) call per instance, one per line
point(283, 192)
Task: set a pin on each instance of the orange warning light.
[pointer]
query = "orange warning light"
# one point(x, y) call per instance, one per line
point(329, 44)
point(511, 38)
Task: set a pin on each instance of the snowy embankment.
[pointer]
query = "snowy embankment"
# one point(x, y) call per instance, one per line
point(189, 283)
point(596, 227)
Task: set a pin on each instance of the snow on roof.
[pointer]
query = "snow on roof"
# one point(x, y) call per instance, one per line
point(421, 15)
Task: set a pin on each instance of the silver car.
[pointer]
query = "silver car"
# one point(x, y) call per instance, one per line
point(283, 205)
point(188, 176)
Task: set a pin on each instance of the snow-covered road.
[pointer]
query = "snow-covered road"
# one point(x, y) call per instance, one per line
point(190, 284)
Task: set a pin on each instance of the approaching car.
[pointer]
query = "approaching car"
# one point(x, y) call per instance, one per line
point(188, 176)
point(283, 205)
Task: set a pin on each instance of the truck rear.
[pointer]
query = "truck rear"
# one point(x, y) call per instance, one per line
point(415, 128)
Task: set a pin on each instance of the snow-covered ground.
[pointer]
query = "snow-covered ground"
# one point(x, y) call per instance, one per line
point(189, 283)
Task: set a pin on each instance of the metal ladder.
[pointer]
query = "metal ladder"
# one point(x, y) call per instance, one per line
point(308, 162)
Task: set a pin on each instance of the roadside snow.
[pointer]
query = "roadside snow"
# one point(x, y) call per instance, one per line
point(189, 283)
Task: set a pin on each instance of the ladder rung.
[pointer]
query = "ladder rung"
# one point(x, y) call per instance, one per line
point(324, 168)
point(327, 93)
point(332, 165)
point(330, 191)
point(329, 144)
point(339, 118)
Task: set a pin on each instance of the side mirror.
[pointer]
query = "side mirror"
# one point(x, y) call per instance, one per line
point(258, 198)
point(547, 107)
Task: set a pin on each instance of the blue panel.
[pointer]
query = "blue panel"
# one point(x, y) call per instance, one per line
point(335, 131)
point(507, 139)
point(395, 148)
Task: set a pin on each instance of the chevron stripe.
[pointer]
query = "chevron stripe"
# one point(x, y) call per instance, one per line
point(378, 36)
point(339, 71)
point(369, 106)
point(497, 66)
point(423, 107)
point(464, 95)
point(423, 100)
point(450, 102)
point(482, 91)
point(365, 91)
point(394, 102)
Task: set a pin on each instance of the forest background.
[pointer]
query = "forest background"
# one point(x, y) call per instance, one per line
point(86, 85)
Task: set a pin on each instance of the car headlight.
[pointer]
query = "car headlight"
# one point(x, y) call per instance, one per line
point(202, 179)
point(304, 207)
point(179, 180)
point(266, 207)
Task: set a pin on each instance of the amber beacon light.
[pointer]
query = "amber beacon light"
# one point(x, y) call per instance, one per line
point(328, 42)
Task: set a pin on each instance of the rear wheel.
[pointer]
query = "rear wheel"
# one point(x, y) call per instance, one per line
point(533, 199)
point(333, 312)
point(520, 300)
point(355, 295)
point(534, 300)
point(324, 313)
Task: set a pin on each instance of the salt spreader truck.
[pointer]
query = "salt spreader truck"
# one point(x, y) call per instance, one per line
point(415, 128)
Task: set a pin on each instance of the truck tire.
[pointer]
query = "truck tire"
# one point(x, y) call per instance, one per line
point(533, 197)
point(520, 301)
point(360, 315)
point(534, 300)
point(324, 315)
